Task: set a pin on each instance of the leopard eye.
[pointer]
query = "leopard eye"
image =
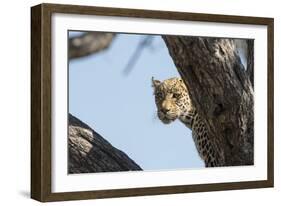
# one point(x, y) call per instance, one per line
point(176, 95)
point(159, 94)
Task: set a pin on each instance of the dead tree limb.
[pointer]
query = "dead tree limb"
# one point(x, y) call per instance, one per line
point(89, 43)
point(89, 152)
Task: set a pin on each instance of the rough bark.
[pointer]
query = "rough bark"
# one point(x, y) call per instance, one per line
point(250, 58)
point(89, 43)
point(90, 152)
point(221, 91)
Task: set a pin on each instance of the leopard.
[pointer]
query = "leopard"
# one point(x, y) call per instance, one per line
point(172, 99)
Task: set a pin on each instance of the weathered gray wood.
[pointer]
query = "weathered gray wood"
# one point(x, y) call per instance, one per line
point(90, 152)
point(221, 91)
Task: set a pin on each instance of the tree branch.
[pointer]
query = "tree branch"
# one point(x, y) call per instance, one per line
point(90, 152)
point(145, 42)
point(89, 43)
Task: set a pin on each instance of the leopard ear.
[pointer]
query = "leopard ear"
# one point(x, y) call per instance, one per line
point(155, 82)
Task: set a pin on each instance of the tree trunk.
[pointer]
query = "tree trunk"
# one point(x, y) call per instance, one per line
point(90, 152)
point(221, 91)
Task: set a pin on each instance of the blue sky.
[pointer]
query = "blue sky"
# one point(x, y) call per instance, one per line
point(122, 109)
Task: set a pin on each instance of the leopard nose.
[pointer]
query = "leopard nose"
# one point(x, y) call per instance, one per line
point(164, 110)
point(165, 106)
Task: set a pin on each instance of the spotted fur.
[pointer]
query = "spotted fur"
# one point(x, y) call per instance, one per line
point(173, 102)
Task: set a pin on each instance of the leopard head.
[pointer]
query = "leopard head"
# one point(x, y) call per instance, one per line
point(172, 99)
